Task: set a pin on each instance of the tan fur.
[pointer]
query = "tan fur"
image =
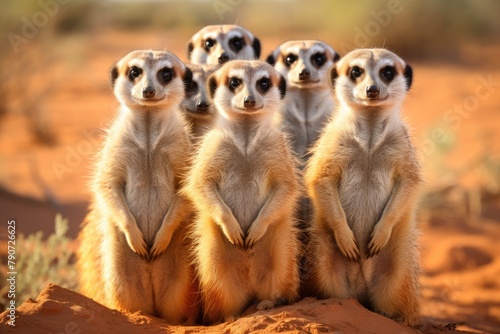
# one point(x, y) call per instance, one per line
point(308, 101)
point(244, 185)
point(217, 44)
point(196, 106)
point(363, 179)
point(134, 251)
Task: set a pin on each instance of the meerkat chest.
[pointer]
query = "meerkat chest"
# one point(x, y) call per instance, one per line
point(244, 185)
point(365, 186)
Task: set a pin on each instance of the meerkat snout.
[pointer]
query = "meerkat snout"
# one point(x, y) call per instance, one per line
point(372, 91)
point(148, 92)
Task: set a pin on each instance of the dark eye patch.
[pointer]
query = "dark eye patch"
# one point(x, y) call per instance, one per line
point(208, 44)
point(388, 73)
point(236, 44)
point(290, 59)
point(318, 59)
point(355, 72)
point(263, 85)
point(134, 72)
point(165, 75)
point(234, 83)
point(193, 88)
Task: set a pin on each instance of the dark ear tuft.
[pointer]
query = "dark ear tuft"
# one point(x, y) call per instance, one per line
point(270, 59)
point(188, 79)
point(114, 75)
point(408, 74)
point(333, 76)
point(190, 48)
point(336, 57)
point(212, 85)
point(282, 87)
point(256, 47)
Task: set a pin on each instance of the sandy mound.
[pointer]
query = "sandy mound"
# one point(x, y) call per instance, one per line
point(58, 310)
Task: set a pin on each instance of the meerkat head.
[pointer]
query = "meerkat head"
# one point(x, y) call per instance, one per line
point(150, 80)
point(246, 87)
point(304, 63)
point(217, 44)
point(371, 78)
point(197, 102)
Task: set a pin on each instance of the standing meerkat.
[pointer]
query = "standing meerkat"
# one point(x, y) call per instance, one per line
point(134, 253)
point(196, 106)
point(244, 184)
point(309, 103)
point(217, 44)
point(363, 179)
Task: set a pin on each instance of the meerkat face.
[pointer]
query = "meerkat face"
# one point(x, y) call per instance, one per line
point(246, 87)
point(304, 63)
point(371, 77)
point(150, 79)
point(197, 102)
point(217, 44)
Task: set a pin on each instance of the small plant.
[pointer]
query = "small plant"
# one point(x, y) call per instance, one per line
point(40, 262)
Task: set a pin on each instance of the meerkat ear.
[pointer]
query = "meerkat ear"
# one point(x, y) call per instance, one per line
point(270, 59)
point(282, 87)
point(212, 85)
point(190, 48)
point(334, 74)
point(256, 47)
point(336, 57)
point(187, 78)
point(408, 74)
point(114, 75)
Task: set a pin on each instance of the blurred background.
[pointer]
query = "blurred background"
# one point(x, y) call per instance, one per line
point(55, 97)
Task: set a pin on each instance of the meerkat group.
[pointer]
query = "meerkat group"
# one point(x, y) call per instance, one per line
point(196, 189)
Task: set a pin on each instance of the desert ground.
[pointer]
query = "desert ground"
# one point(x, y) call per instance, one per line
point(450, 105)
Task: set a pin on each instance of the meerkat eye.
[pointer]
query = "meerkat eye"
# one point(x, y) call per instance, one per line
point(318, 59)
point(193, 88)
point(209, 43)
point(165, 75)
point(236, 43)
point(134, 72)
point(290, 59)
point(264, 84)
point(388, 72)
point(234, 83)
point(356, 72)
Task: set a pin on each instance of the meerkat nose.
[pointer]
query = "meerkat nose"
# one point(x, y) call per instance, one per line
point(304, 74)
point(223, 58)
point(202, 105)
point(372, 91)
point(148, 92)
point(249, 101)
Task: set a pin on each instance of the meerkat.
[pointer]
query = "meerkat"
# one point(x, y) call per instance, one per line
point(363, 179)
point(244, 185)
point(196, 106)
point(134, 252)
point(217, 44)
point(305, 65)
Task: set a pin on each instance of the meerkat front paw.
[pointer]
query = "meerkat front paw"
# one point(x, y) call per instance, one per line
point(135, 240)
point(255, 233)
point(162, 240)
point(347, 243)
point(378, 239)
point(266, 304)
point(231, 229)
